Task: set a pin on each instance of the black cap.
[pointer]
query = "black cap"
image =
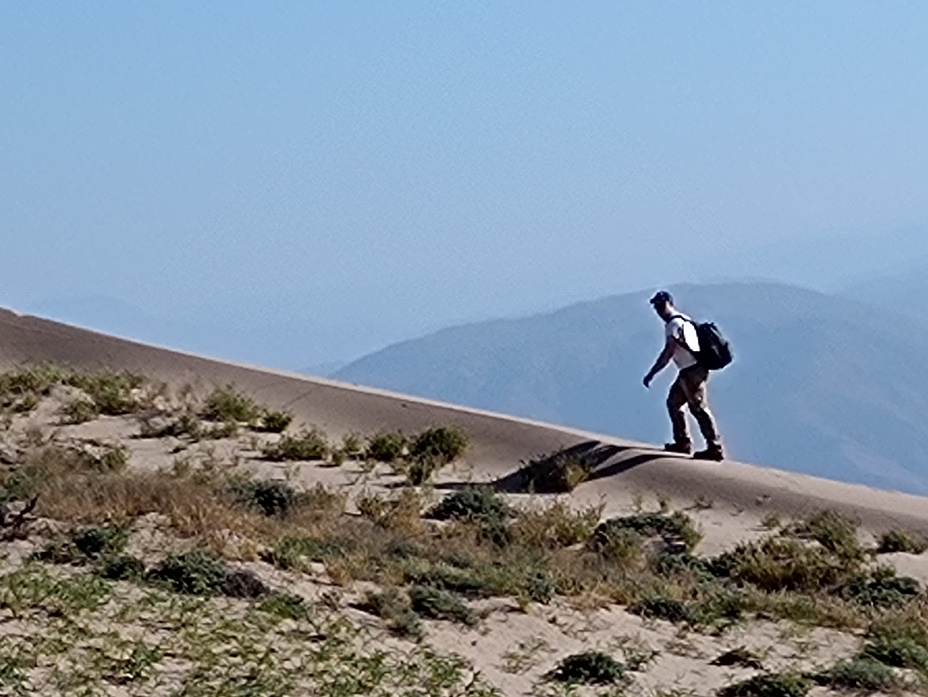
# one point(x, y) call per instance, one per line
point(662, 298)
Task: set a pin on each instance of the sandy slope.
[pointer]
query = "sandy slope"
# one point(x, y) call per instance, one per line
point(499, 442)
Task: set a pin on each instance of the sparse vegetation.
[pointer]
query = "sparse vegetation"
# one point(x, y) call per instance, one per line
point(272, 498)
point(79, 411)
point(396, 610)
point(896, 541)
point(308, 445)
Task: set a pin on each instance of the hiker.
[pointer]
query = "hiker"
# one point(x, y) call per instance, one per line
point(689, 389)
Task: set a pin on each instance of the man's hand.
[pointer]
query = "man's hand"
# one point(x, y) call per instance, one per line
point(647, 380)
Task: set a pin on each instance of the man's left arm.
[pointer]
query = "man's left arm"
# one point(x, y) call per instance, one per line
point(661, 361)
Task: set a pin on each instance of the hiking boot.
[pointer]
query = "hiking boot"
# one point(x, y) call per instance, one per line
point(714, 454)
point(682, 448)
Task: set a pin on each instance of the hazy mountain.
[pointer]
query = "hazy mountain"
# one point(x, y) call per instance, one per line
point(820, 384)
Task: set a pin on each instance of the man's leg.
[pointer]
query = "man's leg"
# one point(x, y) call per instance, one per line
point(676, 400)
point(694, 386)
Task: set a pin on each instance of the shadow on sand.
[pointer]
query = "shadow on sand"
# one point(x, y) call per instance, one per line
point(597, 459)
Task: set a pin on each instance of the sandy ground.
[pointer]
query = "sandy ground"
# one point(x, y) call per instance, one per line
point(511, 648)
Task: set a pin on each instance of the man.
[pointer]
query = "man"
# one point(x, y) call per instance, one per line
point(689, 389)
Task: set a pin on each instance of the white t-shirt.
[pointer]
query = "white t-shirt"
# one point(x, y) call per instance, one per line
point(683, 329)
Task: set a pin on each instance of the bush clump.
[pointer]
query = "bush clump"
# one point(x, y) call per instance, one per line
point(438, 604)
point(308, 445)
point(861, 673)
point(230, 405)
point(396, 610)
point(192, 573)
point(895, 541)
point(789, 684)
point(554, 474)
point(275, 421)
point(112, 393)
point(881, 588)
point(474, 504)
point(122, 568)
point(271, 498)
point(676, 529)
point(387, 446)
point(80, 411)
point(835, 532)
point(445, 444)
point(589, 668)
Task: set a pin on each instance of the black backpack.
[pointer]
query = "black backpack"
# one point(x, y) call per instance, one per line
point(714, 350)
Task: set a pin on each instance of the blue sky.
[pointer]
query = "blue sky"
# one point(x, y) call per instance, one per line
point(308, 181)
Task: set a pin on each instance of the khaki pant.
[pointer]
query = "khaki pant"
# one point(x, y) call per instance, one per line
point(689, 389)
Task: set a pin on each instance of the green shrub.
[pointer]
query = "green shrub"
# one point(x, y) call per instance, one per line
point(556, 526)
point(880, 588)
point(438, 604)
point(80, 411)
point(115, 458)
point(555, 474)
point(589, 668)
point(474, 504)
point(834, 532)
point(275, 421)
point(900, 645)
point(421, 469)
point(396, 610)
point(862, 673)
point(387, 446)
point(122, 568)
point(112, 393)
point(290, 552)
point(192, 573)
point(895, 541)
point(443, 444)
point(662, 607)
point(782, 564)
point(272, 498)
point(788, 684)
point(308, 445)
point(286, 606)
point(96, 542)
point(228, 404)
point(676, 529)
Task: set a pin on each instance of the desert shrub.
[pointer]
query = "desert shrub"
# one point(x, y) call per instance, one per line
point(881, 588)
point(898, 644)
point(228, 404)
point(895, 541)
point(740, 656)
point(589, 668)
point(396, 610)
point(554, 474)
point(240, 583)
point(275, 421)
point(782, 564)
point(308, 445)
point(272, 498)
point(286, 605)
point(664, 607)
point(788, 684)
point(79, 411)
point(556, 525)
point(191, 573)
point(443, 444)
point(352, 445)
point(89, 543)
point(860, 674)
point(187, 425)
point(122, 567)
point(834, 532)
point(112, 393)
point(387, 446)
point(290, 552)
point(114, 458)
point(474, 504)
point(422, 469)
point(619, 546)
point(438, 604)
point(399, 513)
point(676, 529)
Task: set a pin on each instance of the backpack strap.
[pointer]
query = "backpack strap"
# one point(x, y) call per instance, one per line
point(682, 344)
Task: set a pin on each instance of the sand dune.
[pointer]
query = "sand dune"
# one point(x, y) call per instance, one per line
point(499, 442)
